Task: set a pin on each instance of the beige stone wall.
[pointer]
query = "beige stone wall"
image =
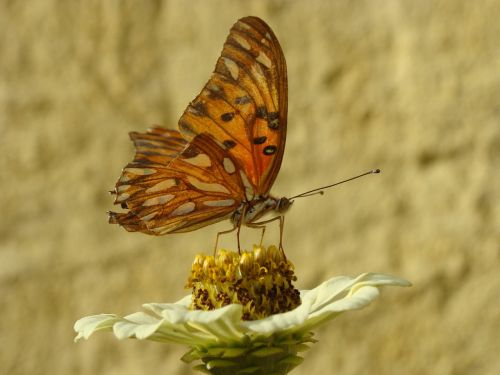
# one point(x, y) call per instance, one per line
point(411, 87)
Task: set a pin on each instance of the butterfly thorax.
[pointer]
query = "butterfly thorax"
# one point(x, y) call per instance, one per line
point(258, 207)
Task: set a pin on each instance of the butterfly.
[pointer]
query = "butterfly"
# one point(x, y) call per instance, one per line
point(224, 159)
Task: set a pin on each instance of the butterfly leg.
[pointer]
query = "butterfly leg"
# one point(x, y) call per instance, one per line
point(236, 227)
point(282, 224)
point(261, 224)
point(240, 223)
point(223, 232)
point(262, 227)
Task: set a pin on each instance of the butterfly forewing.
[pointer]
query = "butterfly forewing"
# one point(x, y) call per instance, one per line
point(244, 104)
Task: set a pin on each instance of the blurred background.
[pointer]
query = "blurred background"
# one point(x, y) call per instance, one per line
point(411, 87)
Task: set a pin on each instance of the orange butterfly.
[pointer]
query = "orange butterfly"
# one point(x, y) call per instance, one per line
point(223, 162)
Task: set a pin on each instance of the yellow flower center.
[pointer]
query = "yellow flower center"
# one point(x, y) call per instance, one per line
point(259, 280)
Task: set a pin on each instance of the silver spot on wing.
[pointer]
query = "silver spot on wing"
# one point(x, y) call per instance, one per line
point(249, 192)
point(229, 165)
point(232, 67)
point(122, 197)
point(207, 186)
point(140, 171)
point(162, 199)
point(122, 188)
point(219, 203)
point(164, 229)
point(201, 160)
point(242, 42)
point(163, 185)
point(150, 216)
point(264, 60)
point(183, 209)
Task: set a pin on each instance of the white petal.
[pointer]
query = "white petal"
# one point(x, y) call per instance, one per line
point(143, 326)
point(173, 308)
point(139, 325)
point(223, 324)
point(86, 326)
point(325, 302)
point(340, 294)
point(378, 279)
point(218, 325)
point(330, 291)
point(361, 298)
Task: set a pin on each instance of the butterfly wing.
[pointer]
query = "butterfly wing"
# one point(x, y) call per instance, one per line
point(197, 188)
point(158, 146)
point(244, 104)
point(231, 147)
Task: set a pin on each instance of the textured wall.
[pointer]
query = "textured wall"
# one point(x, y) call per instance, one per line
point(411, 87)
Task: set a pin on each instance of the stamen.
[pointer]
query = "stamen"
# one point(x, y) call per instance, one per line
point(259, 280)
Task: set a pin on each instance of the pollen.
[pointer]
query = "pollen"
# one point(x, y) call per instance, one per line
point(260, 280)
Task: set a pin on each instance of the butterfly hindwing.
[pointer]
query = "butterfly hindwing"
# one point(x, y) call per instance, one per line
point(200, 186)
point(157, 147)
point(244, 104)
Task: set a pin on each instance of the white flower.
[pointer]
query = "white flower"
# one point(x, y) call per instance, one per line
point(244, 315)
point(219, 336)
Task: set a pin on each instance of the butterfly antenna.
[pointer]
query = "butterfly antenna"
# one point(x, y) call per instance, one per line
point(320, 189)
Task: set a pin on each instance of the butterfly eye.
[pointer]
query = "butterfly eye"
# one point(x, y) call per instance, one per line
point(283, 204)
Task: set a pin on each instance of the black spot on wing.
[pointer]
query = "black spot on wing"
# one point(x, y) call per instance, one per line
point(226, 117)
point(186, 127)
point(273, 120)
point(261, 112)
point(216, 92)
point(259, 140)
point(199, 108)
point(190, 152)
point(228, 143)
point(270, 150)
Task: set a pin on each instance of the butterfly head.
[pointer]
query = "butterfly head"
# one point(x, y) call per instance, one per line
point(283, 204)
